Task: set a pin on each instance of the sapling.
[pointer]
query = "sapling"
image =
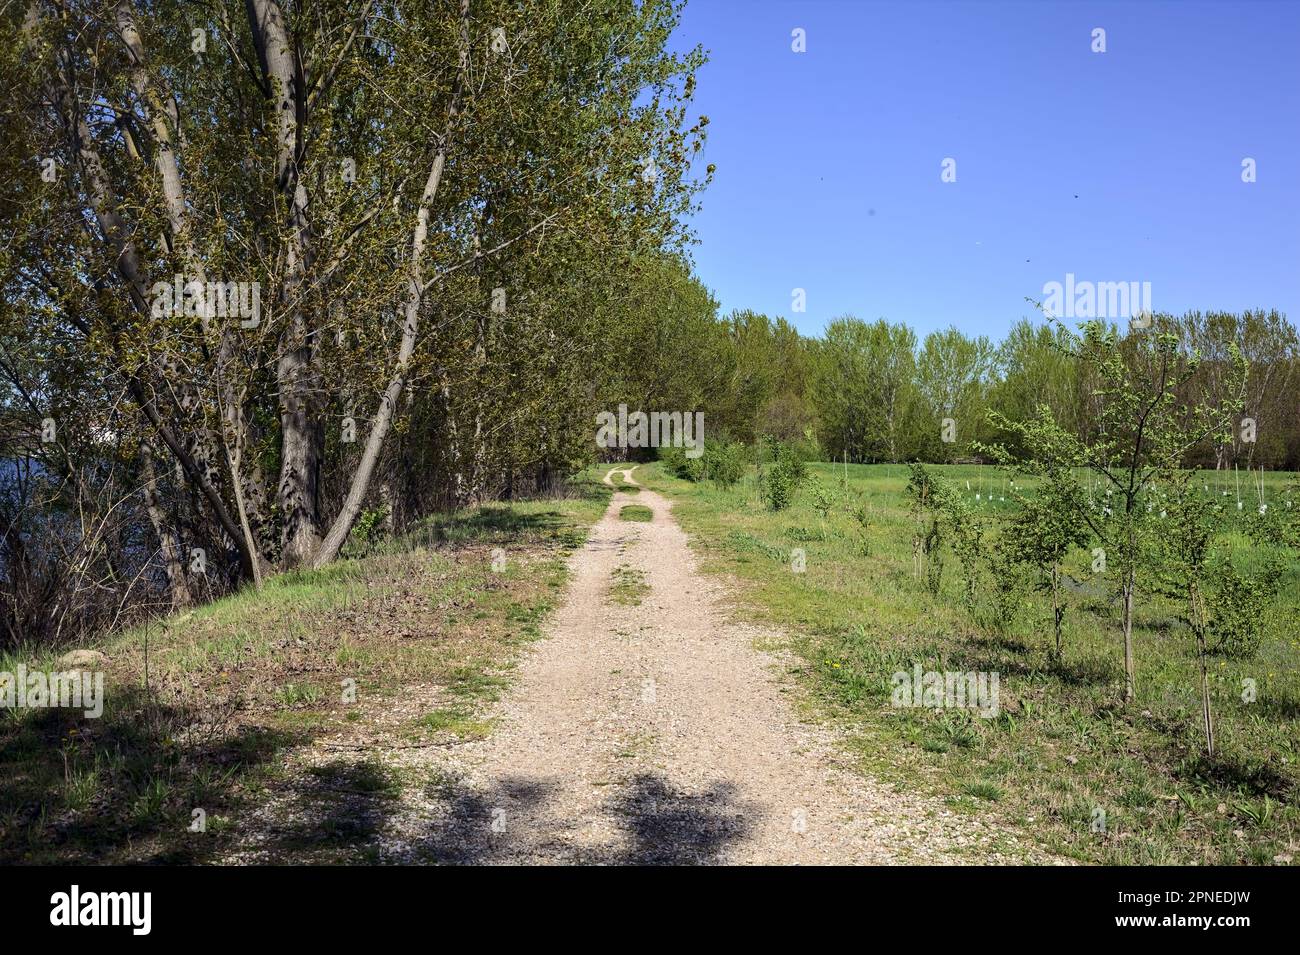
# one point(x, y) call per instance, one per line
point(922, 489)
point(937, 511)
point(823, 502)
point(1184, 568)
point(862, 516)
point(1143, 430)
point(1042, 535)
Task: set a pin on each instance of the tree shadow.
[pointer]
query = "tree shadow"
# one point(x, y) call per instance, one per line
point(332, 813)
point(1085, 671)
point(671, 827)
point(124, 787)
point(497, 524)
point(1280, 705)
point(1234, 773)
point(661, 825)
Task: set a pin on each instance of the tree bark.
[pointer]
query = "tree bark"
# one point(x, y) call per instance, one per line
point(302, 434)
point(228, 402)
point(1130, 681)
point(383, 420)
point(118, 237)
point(168, 544)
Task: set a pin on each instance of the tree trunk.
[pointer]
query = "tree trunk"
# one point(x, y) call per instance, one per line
point(302, 438)
point(302, 442)
point(1130, 582)
point(168, 544)
point(1057, 610)
point(1201, 623)
point(383, 420)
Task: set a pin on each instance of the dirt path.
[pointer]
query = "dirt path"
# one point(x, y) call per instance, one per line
point(658, 733)
point(645, 728)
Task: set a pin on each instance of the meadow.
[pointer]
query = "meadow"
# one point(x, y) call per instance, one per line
point(1096, 779)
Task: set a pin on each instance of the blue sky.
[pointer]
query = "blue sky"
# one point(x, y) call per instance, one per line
point(1115, 166)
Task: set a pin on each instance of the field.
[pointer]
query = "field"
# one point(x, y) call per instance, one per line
point(1099, 781)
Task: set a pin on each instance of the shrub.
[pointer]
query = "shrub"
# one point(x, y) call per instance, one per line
point(783, 478)
point(724, 464)
point(674, 461)
point(1237, 609)
point(721, 463)
point(862, 517)
point(937, 510)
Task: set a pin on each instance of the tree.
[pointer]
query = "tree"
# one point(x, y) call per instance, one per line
point(1143, 433)
point(378, 214)
point(1046, 529)
point(954, 375)
point(863, 389)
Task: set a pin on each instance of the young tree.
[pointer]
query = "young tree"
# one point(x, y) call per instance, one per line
point(1143, 432)
point(1046, 529)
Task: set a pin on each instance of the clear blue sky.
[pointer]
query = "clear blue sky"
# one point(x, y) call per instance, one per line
point(828, 161)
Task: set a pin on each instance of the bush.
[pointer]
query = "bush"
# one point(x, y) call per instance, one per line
point(783, 478)
point(722, 463)
point(1238, 604)
point(675, 462)
point(861, 515)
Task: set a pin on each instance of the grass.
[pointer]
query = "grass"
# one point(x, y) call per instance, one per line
point(635, 512)
point(627, 586)
point(1063, 748)
point(237, 686)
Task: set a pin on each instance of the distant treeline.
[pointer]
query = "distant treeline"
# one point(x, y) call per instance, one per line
point(879, 392)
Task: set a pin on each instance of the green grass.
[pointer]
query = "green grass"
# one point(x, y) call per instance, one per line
point(635, 512)
point(234, 687)
point(627, 586)
point(1063, 743)
point(457, 721)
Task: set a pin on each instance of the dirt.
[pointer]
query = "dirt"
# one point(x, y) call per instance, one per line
point(655, 732)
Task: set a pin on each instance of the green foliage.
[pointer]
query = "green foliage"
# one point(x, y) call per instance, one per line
point(722, 463)
point(937, 510)
point(1238, 608)
point(463, 240)
point(783, 478)
point(1060, 746)
point(862, 387)
point(369, 529)
point(862, 518)
point(1145, 426)
point(1006, 591)
point(1039, 538)
point(823, 499)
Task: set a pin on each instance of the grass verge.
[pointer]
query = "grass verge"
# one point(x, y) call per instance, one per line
point(203, 709)
point(1094, 779)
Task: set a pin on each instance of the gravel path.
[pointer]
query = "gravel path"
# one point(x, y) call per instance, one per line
point(658, 733)
point(650, 732)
